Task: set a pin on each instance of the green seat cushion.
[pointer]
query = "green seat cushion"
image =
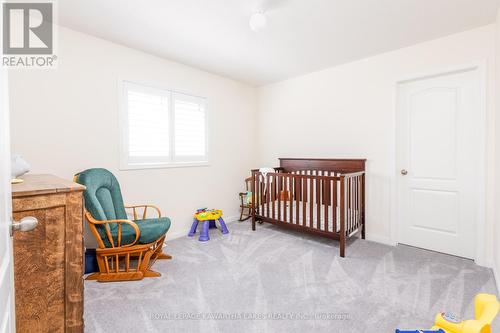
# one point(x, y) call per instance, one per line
point(151, 230)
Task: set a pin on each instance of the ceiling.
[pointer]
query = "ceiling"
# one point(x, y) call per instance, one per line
point(302, 35)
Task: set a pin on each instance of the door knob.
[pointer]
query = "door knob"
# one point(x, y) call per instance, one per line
point(27, 223)
point(404, 172)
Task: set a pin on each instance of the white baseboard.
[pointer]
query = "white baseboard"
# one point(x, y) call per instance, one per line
point(379, 239)
point(179, 234)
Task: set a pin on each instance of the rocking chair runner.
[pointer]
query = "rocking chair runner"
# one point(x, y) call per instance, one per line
point(127, 248)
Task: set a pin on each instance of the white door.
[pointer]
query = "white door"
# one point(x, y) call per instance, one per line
point(7, 322)
point(438, 149)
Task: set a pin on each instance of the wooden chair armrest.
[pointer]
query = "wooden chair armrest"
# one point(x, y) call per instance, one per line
point(108, 231)
point(144, 214)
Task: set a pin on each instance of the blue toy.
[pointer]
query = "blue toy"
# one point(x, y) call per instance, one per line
point(421, 331)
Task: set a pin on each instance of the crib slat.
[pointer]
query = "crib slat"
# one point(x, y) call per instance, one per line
point(318, 203)
point(259, 192)
point(290, 198)
point(356, 184)
point(274, 195)
point(349, 210)
point(280, 179)
point(357, 202)
point(347, 204)
point(298, 182)
point(334, 205)
point(326, 188)
point(268, 192)
point(354, 204)
point(346, 216)
point(350, 202)
point(311, 198)
point(285, 187)
point(353, 211)
point(355, 208)
point(262, 194)
point(354, 193)
point(304, 200)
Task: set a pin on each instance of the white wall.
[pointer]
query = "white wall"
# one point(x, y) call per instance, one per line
point(349, 111)
point(66, 120)
point(496, 239)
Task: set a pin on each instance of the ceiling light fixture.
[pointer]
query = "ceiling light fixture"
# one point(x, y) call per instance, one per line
point(258, 21)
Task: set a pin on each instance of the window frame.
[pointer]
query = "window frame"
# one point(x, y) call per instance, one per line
point(172, 161)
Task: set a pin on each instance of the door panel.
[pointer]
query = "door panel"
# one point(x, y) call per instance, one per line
point(443, 219)
point(438, 143)
point(433, 133)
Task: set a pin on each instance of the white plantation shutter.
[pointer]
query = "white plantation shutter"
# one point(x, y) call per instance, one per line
point(190, 127)
point(148, 124)
point(162, 128)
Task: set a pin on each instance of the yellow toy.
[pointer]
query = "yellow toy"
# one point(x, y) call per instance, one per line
point(486, 308)
point(208, 214)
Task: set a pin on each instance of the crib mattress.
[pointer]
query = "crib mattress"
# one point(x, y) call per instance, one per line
point(352, 216)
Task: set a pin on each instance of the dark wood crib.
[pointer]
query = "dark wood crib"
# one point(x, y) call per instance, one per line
point(319, 196)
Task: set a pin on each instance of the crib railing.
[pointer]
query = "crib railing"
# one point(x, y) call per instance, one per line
point(325, 202)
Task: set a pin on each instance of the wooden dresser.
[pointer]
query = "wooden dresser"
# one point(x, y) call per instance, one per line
point(48, 261)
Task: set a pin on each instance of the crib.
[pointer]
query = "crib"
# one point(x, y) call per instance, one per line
point(325, 197)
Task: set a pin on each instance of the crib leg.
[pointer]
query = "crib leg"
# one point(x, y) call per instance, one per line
point(363, 206)
point(342, 246)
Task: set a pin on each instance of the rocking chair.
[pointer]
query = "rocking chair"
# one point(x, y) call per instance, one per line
point(245, 205)
point(127, 248)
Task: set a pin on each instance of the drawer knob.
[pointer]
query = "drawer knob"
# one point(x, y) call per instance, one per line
point(27, 223)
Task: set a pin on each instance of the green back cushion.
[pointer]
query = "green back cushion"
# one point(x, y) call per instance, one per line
point(103, 198)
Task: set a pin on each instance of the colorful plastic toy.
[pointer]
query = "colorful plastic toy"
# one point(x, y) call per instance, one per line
point(208, 218)
point(486, 308)
point(421, 331)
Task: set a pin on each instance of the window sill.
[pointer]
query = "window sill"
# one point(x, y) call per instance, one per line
point(145, 166)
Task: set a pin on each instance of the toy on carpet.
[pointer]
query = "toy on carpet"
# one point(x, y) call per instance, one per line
point(208, 218)
point(421, 331)
point(486, 308)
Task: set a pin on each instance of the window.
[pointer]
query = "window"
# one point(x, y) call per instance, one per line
point(161, 128)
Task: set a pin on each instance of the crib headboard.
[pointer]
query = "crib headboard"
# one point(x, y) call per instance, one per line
point(323, 164)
